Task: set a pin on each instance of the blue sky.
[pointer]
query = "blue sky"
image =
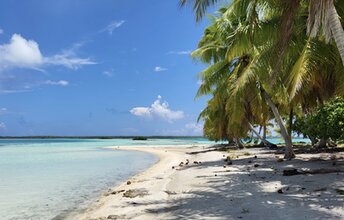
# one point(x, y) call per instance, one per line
point(87, 67)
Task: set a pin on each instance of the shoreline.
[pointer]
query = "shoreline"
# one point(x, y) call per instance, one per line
point(168, 155)
point(213, 190)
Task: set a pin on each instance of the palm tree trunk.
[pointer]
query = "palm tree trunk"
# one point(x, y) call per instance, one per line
point(336, 29)
point(289, 153)
point(264, 132)
point(257, 134)
point(238, 143)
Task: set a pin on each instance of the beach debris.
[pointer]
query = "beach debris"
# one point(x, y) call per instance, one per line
point(256, 165)
point(132, 193)
point(293, 171)
point(116, 192)
point(128, 182)
point(340, 192)
point(245, 210)
point(187, 162)
point(320, 189)
point(290, 172)
point(170, 192)
point(181, 164)
point(333, 157)
point(215, 174)
point(173, 167)
point(224, 166)
point(228, 158)
point(115, 217)
point(195, 162)
point(279, 160)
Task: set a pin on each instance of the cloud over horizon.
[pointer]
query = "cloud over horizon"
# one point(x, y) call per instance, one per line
point(159, 109)
point(23, 53)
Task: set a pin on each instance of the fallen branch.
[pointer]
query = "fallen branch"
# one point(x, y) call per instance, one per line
point(292, 172)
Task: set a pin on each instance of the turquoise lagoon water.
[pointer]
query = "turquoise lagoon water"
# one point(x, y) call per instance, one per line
point(47, 178)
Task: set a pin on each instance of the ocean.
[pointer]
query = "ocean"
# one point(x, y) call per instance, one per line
point(49, 178)
point(46, 178)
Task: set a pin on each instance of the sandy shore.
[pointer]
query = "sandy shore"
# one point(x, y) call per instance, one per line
point(249, 188)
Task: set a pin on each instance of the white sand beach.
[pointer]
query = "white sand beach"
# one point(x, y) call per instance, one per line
point(252, 187)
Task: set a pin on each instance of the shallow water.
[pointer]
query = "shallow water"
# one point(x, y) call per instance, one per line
point(45, 178)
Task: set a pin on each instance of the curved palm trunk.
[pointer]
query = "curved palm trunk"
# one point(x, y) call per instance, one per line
point(263, 139)
point(336, 29)
point(289, 153)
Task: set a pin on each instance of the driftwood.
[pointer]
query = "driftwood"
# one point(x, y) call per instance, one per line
point(292, 172)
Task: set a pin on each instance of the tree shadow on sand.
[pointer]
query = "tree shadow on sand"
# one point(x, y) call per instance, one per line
point(248, 192)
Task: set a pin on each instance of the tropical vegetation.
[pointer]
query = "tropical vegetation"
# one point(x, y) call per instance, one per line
point(269, 60)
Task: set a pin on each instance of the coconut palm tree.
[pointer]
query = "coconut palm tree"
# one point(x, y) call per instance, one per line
point(323, 19)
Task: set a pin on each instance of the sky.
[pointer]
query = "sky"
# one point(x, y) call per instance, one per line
point(87, 67)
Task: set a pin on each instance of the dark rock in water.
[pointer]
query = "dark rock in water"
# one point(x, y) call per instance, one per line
point(128, 182)
point(250, 161)
point(256, 165)
point(290, 172)
point(255, 156)
point(229, 163)
point(139, 139)
point(280, 191)
point(334, 163)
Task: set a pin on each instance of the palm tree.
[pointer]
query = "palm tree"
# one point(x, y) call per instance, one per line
point(323, 18)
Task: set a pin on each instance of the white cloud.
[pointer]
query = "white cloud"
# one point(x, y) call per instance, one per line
point(159, 109)
point(141, 111)
point(20, 52)
point(182, 52)
point(69, 61)
point(1, 31)
point(108, 73)
point(23, 53)
point(57, 83)
point(112, 26)
point(159, 69)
